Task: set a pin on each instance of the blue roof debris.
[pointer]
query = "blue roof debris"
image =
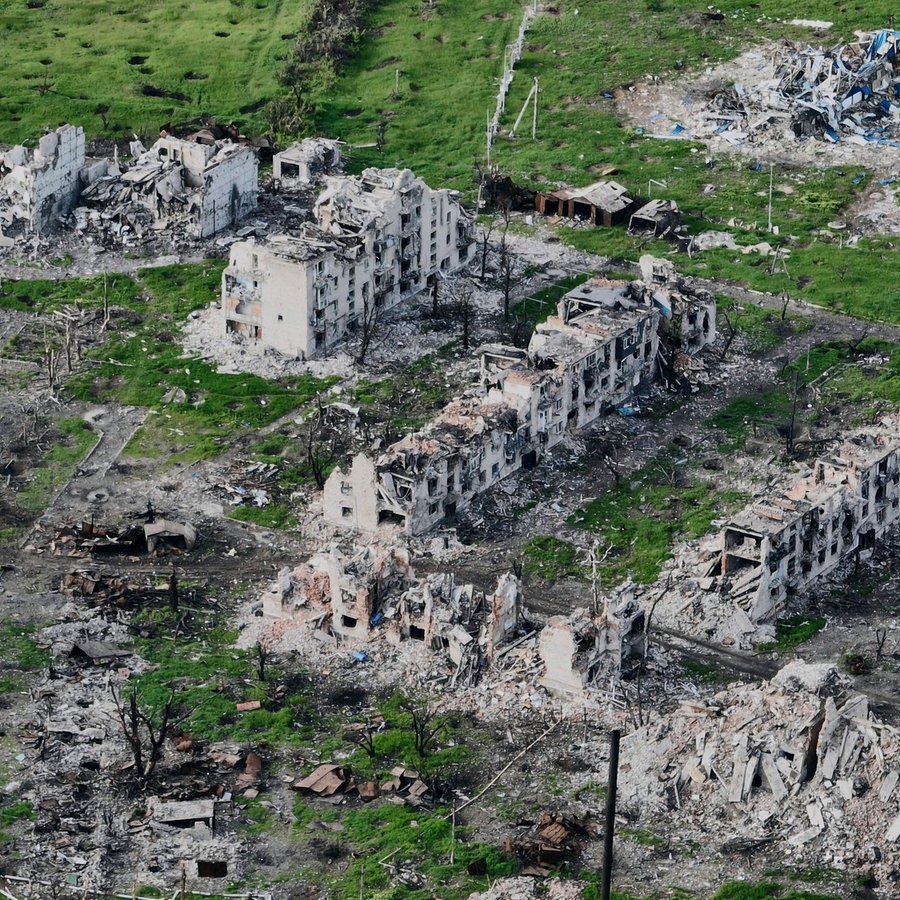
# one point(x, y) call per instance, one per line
point(850, 92)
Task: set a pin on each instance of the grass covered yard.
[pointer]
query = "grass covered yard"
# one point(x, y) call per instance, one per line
point(123, 67)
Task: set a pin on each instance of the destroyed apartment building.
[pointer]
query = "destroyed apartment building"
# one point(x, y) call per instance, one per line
point(591, 357)
point(365, 594)
point(848, 92)
point(583, 650)
point(378, 239)
point(201, 187)
point(39, 187)
point(843, 508)
point(307, 162)
point(733, 586)
point(354, 596)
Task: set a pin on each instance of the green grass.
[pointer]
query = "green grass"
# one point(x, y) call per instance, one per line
point(12, 813)
point(704, 672)
point(551, 558)
point(863, 379)
point(422, 841)
point(790, 633)
point(18, 648)
point(142, 361)
point(74, 442)
point(762, 328)
point(277, 516)
point(643, 515)
point(766, 890)
point(449, 58)
point(66, 59)
point(542, 303)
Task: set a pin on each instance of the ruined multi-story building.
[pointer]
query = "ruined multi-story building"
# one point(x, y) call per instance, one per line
point(355, 596)
point(601, 346)
point(784, 544)
point(378, 239)
point(38, 187)
point(583, 650)
point(199, 186)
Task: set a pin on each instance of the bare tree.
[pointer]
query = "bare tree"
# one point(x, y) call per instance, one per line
point(426, 723)
point(263, 657)
point(368, 324)
point(486, 231)
point(145, 732)
point(320, 445)
point(731, 333)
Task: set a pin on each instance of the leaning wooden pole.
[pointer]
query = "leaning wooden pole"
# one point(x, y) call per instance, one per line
point(611, 787)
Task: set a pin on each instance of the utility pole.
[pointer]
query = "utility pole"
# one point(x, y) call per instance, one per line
point(611, 788)
point(771, 168)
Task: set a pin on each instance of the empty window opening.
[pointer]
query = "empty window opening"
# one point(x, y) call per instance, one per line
point(212, 868)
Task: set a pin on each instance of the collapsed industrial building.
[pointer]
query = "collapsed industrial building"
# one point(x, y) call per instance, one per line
point(848, 92)
point(196, 186)
point(607, 339)
point(378, 239)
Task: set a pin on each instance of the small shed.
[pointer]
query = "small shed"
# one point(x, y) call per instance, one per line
point(603, 203)
point(97, 652)
point(657, 218)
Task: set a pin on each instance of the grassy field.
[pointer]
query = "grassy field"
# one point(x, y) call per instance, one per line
point(65, 60)
point(436, 126)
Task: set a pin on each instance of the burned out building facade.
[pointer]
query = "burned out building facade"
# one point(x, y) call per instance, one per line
point(361, 593)
point(602, 345)
point(378, 239)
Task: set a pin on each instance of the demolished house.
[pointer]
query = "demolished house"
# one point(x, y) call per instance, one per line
point(342, 597)
point(656, 218)
point(200, 187)
point(379, 239)
point(602, 203)
point(39, 187)
point(307, 162)
point(848, 92)
point(602, 345)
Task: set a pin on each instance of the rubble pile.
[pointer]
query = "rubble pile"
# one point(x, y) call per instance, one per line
point(524, 888)
point(187, 186)
point(362, 594)
point(157, 536)
point(554, 840)
point(334, 780)
point(847, 92)
point(780, 763)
